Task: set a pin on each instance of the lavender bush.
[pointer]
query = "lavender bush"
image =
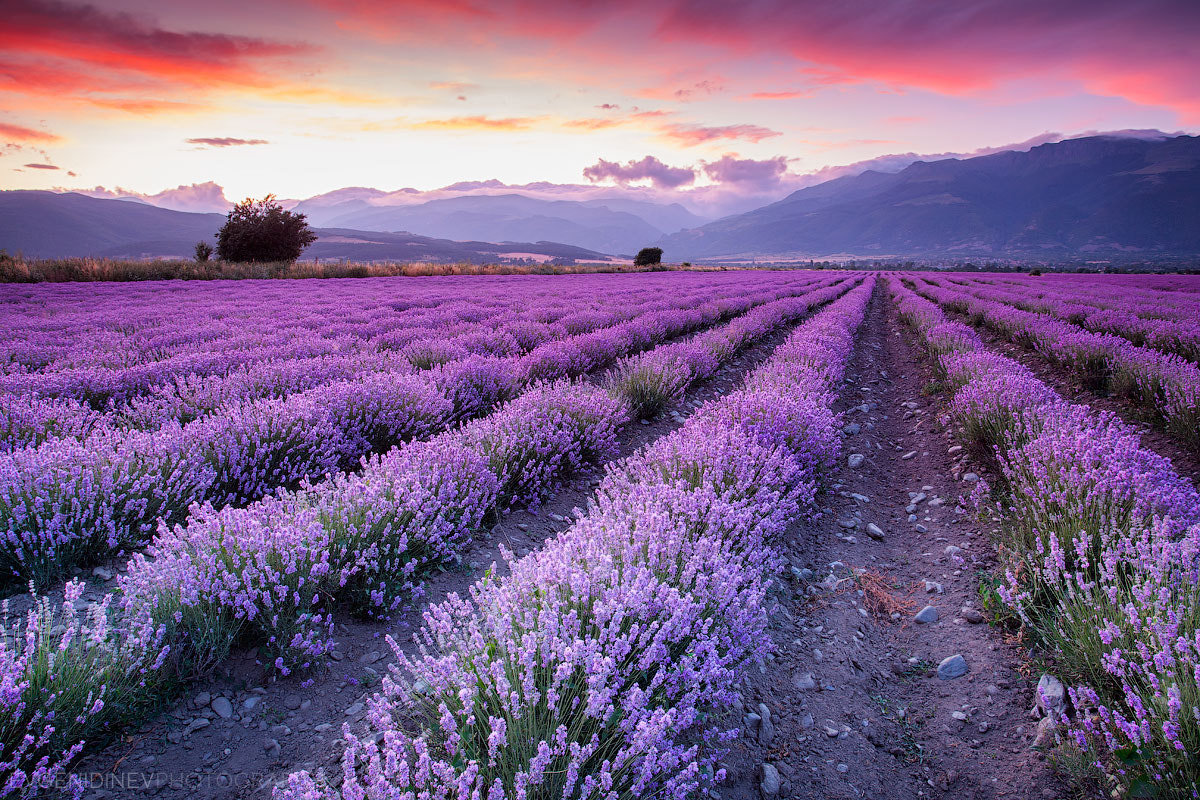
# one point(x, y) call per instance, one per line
point(1104, 563)
point(592, 669)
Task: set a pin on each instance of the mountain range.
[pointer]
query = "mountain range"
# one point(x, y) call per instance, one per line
point(1093, 195)
point(608, 225)
point(1098, 194)
point(42, 224)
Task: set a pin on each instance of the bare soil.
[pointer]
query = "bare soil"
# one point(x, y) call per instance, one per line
point(856, 707)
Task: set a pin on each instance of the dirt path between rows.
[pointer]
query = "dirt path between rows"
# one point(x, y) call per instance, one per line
point(855, 707)
point(238, 734)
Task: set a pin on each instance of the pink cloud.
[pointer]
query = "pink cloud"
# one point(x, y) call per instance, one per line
point(762, 173)
point(649, 168)
point(689, 134)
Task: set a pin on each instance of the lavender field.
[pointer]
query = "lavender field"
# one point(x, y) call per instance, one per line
point(726, 534)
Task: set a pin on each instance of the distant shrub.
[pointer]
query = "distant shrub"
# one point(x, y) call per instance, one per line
point(203, 251)
point(259, 231)
point(1035, 272)
point(648, 256)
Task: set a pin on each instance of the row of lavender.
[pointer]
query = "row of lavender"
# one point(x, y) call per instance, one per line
point(1104, 556)
point(115, 343)
point(145, 363)
point(1144, 321)
point(70, 501)
point(272, 574)
point(599, 667)
point(1162, 384)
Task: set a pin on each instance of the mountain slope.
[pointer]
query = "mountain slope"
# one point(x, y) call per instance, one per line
point(613, 226)
point(58, 225)
point(1090, 195)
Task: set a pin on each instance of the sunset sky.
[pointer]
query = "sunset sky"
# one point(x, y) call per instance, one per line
point(305, 96)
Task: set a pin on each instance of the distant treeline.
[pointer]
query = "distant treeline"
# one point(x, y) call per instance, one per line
point(14, 269)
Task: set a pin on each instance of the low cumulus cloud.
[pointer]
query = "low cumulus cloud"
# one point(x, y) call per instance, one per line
point(199, 197)
point(763, 173)
point(660, 175)
point(224, 141)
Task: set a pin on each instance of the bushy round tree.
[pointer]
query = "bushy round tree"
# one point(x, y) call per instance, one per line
point(261, 230)
point(648, 256)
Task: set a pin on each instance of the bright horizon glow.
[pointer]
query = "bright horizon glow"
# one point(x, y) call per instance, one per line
point(302, 98)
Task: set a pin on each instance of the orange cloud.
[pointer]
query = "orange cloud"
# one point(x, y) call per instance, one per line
point(786, 95)
point(1146, 52)
point(479, 122)
point(81, 53)
point(689, 135)
point(19, 133)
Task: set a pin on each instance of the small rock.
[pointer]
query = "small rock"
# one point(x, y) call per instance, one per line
point(953, 550)
point(970, 477)
point(919, 528)
point(956, 449)
point(932, 587)
point(222, 707)
point(831, 731)
point(972, 615)
point(961, 716)
point(770, 780)
point(102, 573)
point(271, 746)
point(354, 709)
point(851, 428)
point(370, 658)
point(908, 455)
point(952, 667)
point(250, 702)
point(336, 655)
point(1046, 736)
point(766, 729)
point(848, 524)
point(927, 615)
point(855, 461)
point(875, 532)
point(199, 723)
point(806, 721)
point(1051, 696)
point(292, 702)
point(805, 682)
point(202, 700)
point(843, 768)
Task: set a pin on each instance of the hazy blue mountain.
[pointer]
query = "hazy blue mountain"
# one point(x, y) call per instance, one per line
point(1096, 194)
point(607, 225)
point(41, 224)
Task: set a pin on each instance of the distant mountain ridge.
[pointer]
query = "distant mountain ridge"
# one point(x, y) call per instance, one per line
point(605, 225)
point(1097, 194)
point(41, 224)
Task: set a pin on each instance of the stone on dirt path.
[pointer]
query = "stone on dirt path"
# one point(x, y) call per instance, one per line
point(770, 780)
point(952, 667)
